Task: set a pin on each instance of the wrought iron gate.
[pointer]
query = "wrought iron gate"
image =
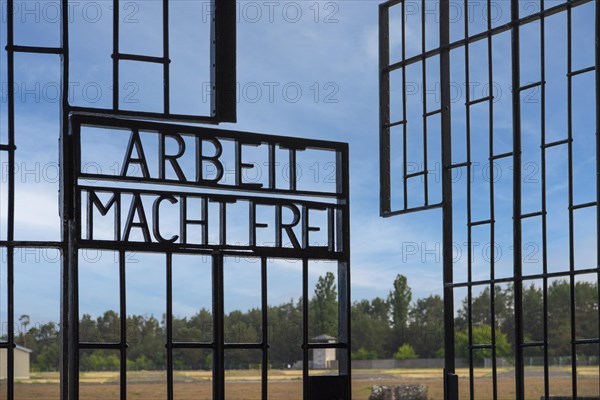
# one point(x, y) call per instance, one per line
point(95, 195)
point(536, 128)
point(123, 198)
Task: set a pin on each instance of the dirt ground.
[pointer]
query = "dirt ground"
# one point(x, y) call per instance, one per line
point(286, 385)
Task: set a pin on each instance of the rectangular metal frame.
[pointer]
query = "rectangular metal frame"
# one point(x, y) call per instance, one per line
point(519, 277)
point(74, 186)
point(222, 59)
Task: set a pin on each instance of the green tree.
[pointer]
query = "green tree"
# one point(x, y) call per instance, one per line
point(427, 326)
point(533, 314)
point(405, 352)
point(285, 323)
point(481, 311)
point(324, 306)
point(482, 334)
point(363, 354)
point(370, 327)
point(399, 300)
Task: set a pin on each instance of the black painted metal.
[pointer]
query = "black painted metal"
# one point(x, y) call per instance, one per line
point(450, 379)
point(85, 195)
point(450, 203)
point(78, 195)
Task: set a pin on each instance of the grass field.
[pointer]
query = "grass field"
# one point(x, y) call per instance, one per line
point(286, 385)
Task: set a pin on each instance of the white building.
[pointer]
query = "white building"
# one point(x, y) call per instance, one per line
point(22, 356)
point(324, 358)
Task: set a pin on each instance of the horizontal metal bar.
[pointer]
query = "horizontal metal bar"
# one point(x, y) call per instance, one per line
point(533, 344)
point(477, 101)
point(31, 244)
point(136, 57)
point(583, 205)
point(434, 112)
point(206, 185)
point(187, 130)
point(484, 222)
point(532, 214)
point(557, 143)
point(7, 147)
point(391, 3)
point(191, 345)
point(397, 123)
point(561, 274)
point(100, 346)
point(460, 165)
point(35, 49)
point(415, 174)
point(151, 116)
point(5, 345)
point(387, 214)
point(581, 71)
point(242, 346)
point(228, 198)
point(586, 341)
point(502, 155)
point(485, 34)
point(531, 85)
point(228, 250)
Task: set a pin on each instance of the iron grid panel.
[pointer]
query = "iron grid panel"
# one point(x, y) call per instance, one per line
point(78, 182)
point(222, 58)
point(526, 209)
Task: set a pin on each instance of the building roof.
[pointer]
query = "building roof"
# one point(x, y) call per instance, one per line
point(25, 349)
point(324, 339)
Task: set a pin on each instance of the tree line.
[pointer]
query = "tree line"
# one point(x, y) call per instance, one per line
point(392, 327)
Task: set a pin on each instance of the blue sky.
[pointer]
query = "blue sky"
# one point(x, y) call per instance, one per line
point(306, 69)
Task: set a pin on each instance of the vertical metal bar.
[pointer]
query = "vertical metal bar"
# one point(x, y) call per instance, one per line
point(10, 57)
point(272, 172)
point(115, 66)
point(123, 324)
point(223, 60)
point(597, 31)
point(69, 332)
point(469, 213)
point(517, 236)
point(223, 223)
point(10, 368)
point(166, 55)
point(293, 175)
point(451, 387)
point(218, 328)
point(169, 325)
point(571, 211)
point(344, 284)
point(404, 116)
point(305, 350)
point(544, 203)
point(424, 72)
point(65, 185)
point(384, 110)
point(265, 328)
point(492, 203)
point(73, 332)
